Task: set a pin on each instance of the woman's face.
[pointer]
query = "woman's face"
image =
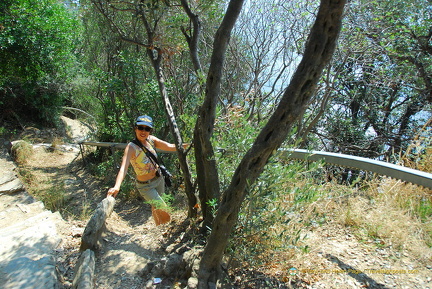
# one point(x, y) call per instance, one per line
point(142, 132)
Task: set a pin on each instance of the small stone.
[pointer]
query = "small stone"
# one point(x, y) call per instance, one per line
point(192, 283)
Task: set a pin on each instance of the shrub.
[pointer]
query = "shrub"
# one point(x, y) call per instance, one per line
point(21, 151)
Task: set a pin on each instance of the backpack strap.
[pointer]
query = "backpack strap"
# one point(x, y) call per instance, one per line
point(148, 153)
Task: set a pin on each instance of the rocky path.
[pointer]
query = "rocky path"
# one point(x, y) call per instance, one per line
point(28, 235)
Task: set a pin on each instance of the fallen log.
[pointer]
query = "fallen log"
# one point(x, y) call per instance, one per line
point(84, 271)
point(96, 224)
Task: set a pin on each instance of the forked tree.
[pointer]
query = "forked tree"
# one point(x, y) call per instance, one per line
point(318, 51)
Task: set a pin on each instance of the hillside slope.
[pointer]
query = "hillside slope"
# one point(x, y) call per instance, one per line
point(337, 256)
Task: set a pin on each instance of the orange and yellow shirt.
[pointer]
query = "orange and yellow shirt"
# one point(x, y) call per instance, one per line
point(140, 162)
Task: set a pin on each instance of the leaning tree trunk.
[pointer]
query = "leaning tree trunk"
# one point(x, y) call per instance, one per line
point(189, 188)
point(318, 51)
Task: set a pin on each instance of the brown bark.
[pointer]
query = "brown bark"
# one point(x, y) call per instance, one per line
point(193, 38)
point(189, 188)
point(319, 49)
point(96, 224)
point(207, 175)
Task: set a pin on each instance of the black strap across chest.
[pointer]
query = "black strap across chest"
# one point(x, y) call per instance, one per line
point(148, 153)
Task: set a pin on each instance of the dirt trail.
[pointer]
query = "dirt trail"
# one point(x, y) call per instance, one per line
point(338, 260)
point(131, 240)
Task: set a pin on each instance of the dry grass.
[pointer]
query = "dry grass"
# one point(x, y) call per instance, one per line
point(385, 220)
point(56, 142)
point(410, 212)
point(383, 213)
point(377, 217)
point(393, 213)
point(21, 152)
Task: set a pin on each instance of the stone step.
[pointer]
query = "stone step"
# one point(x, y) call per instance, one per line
point(15, 212)
point(8, 201)
point(40, 220)
point(9, 182)
point(28, 235)
point(27, 250)
point(11, 187)
point(30, 273)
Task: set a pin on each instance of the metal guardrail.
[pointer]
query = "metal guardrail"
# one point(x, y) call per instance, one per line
point(115, 145)
point(391, 170)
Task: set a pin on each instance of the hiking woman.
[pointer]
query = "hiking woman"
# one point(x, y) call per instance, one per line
point(149, 181)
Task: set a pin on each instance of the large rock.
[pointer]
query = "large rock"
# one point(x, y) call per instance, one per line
point(27, 250)
point(29, 273)
point(84, 271)
point(11, 187)
point(9, 182)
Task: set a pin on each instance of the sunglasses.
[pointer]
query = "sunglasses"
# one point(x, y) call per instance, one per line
point(146, 128)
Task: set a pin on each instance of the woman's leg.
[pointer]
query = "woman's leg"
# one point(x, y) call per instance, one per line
point(160, 215)
point(152, 194)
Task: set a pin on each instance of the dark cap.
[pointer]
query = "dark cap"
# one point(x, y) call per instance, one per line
point(144, 120)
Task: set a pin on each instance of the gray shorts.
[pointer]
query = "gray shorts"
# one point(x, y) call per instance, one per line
point(152, 191)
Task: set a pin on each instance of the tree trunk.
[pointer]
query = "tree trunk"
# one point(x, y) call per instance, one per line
point(207, 175)
point(193, 39)
point(318, 51)
point(189, 188)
